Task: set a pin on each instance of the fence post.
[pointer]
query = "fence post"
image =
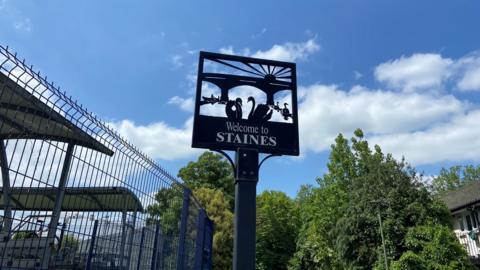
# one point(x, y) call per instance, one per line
point(62, 232)
point(199, 249)
point(132, 238)
point(183, 230)
point(209, 227)
point(6, 191)
point(92, 245)
point(155, 247)
point(140, 248)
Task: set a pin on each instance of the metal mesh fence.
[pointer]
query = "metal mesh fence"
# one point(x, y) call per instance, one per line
point(76, 195)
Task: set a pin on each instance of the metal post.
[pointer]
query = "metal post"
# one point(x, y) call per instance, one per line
point(52, 227)
point(6, 191)
point(246, 178)
point(62, 232)
point(132, 238)
point(183, 230)
point(92, 245)
point(209, 226)
point(199, 248)
point(383, 241)
point(160, 248)
point(124, 232)
point(140, 249)
point(155, 247)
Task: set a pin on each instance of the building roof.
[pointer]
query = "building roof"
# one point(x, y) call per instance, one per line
point(114, 199)
point(24, 116)
point(462, 197)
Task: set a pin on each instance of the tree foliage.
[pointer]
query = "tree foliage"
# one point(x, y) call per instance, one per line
point(167, 209)
point(277, 229)
point(340, 225)
point(218, 210)
point(455, 177)
point(211, 171)
point(432, 247)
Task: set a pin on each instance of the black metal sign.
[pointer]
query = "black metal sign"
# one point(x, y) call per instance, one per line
point(246, 102)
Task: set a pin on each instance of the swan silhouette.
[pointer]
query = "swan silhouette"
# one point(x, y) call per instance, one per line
point(229, 109)
point(261, 113)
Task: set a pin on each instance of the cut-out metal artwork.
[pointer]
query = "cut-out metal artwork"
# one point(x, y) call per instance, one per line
point(246, 102)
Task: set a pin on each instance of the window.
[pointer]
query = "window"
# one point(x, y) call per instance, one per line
point(474, 219)
point(460, 221)
point(469, 223)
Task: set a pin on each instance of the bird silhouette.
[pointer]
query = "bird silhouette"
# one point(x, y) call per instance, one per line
point(285, 111)
point(230, 106)
point(261, 113)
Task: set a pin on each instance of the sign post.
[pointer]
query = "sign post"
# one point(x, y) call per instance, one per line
point(246, 179)
point(249, 106)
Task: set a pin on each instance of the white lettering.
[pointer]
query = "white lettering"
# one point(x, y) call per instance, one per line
point(220, 137)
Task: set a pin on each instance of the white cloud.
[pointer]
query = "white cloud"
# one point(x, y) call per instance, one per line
point(470, 80)
point(159, 140)
point(431, 72)
point(176, 61)
point(186, 104)
point(325, 111)
point(468, 69)
point(24, 25)
point(229, 50)
point(414, 119)
point(259, 34)
point(416, 72)
point(289, 51)
point(357, 75)
point(457, 140)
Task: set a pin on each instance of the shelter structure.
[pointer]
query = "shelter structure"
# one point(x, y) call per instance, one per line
point(76, 195)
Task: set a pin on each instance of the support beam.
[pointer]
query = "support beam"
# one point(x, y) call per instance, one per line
point(131, 239)
point(124, 232)
point(52, 227)
point(91, 248)
point(140, 249)
point(7, 216)
point(153, 265)
point(246, 178)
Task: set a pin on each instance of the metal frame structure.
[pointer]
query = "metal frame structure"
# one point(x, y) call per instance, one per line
point(76, 195)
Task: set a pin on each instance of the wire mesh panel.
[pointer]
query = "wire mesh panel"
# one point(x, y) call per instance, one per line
point(74, 194)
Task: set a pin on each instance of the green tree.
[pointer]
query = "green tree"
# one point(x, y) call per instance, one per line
point(455, 177)
point(211, 171)
point(167, 209)
point(277, 229)
point(218, 210)
point(360, 184)
point(70, 244)
point(432, 247)
point(319, 209)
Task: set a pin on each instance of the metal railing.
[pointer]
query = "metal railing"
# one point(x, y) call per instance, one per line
point(470, 241)
point(76, 195)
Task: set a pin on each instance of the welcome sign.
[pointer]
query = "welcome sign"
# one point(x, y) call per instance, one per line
point(246, 102)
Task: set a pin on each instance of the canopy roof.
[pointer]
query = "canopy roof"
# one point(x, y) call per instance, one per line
point(463, 197)
point(24, 116)
point(106, 199)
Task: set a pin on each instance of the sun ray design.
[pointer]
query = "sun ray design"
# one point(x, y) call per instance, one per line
point(270, 72)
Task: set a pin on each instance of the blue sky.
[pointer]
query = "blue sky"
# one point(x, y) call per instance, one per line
point(406, 72)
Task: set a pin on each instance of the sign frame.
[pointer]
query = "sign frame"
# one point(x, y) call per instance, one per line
point(275, 138)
